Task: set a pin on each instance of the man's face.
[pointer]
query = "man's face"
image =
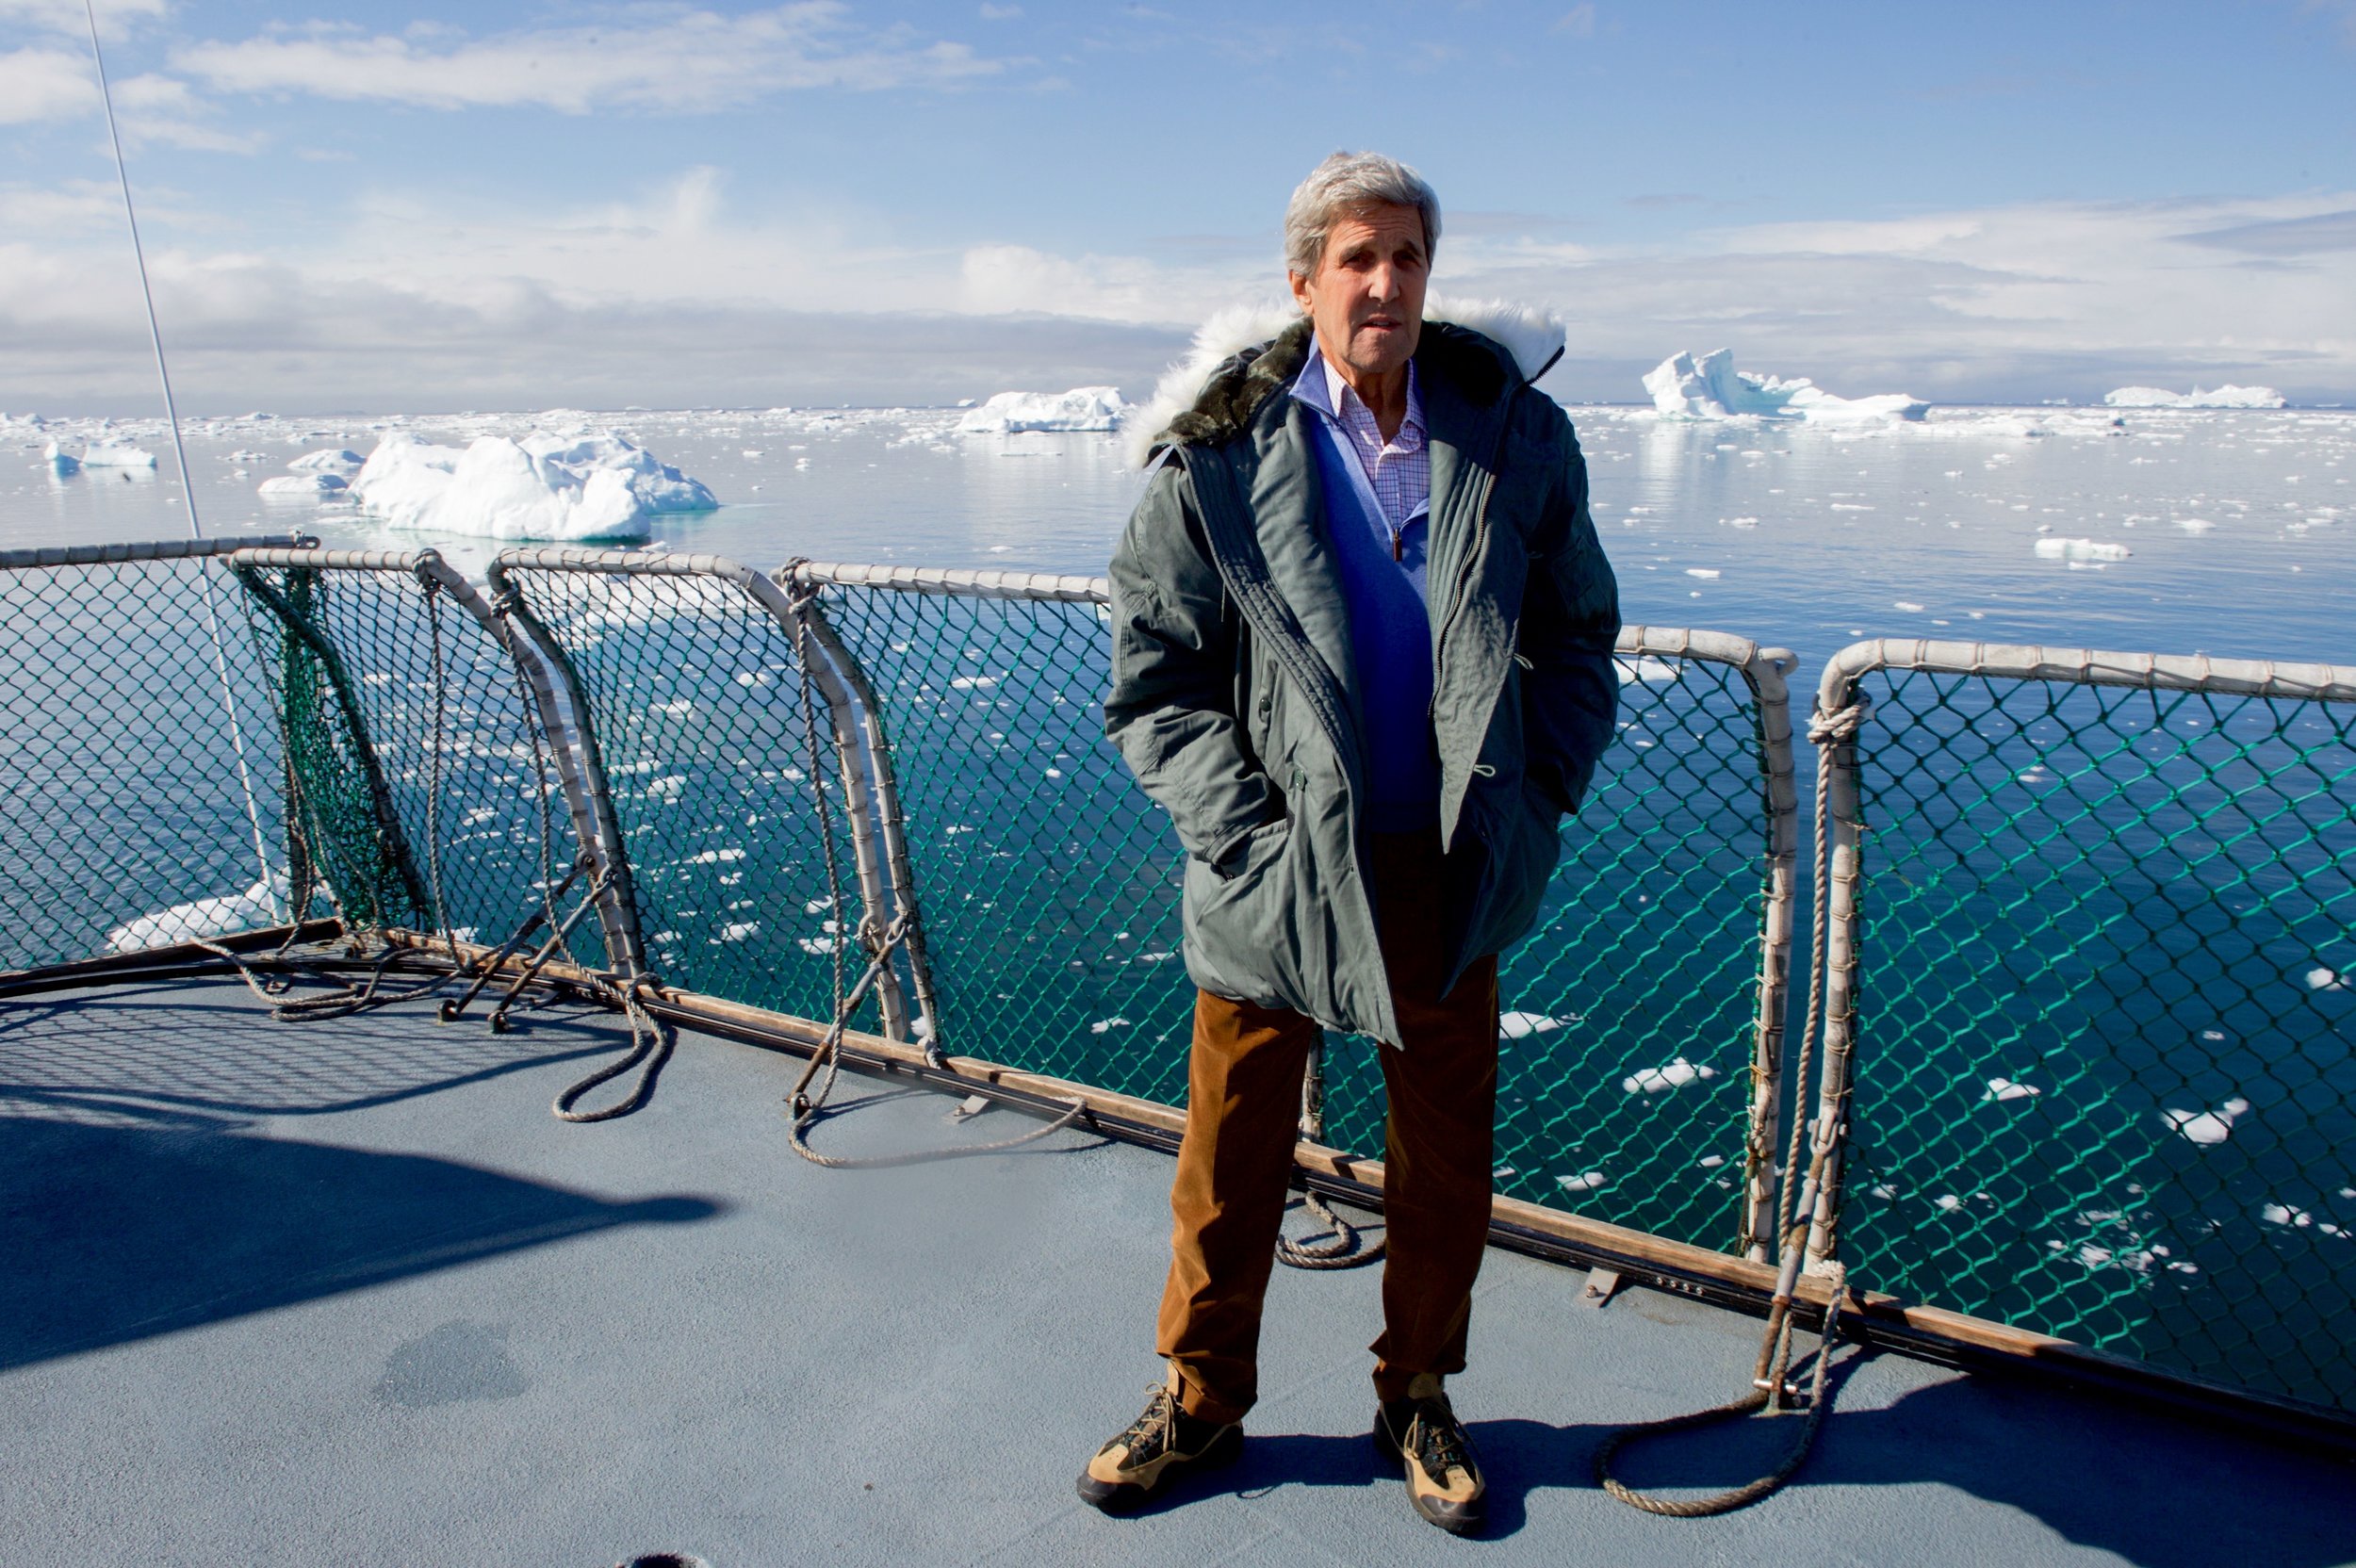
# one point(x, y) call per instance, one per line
point(1367, 295)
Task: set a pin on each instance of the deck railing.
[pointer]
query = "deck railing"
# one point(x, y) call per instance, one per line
point(2090, 996)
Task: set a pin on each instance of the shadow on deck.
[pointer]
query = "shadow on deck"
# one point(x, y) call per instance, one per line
point(345, 1293)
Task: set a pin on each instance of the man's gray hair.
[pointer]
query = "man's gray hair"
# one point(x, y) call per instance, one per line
point(1345, 184)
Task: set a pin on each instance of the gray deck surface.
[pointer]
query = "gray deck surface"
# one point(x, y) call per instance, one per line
point(347, 1294)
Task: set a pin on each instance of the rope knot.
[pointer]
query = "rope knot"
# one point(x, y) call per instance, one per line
point(1842, 724)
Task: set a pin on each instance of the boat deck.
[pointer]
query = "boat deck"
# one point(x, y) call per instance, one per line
point(345, 1293)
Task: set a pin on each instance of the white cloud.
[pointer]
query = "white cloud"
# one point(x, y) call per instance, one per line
point(67, 16)
point(666, 58)
point(45, 84)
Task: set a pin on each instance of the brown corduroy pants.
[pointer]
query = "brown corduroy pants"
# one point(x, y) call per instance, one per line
point(1243, 1106)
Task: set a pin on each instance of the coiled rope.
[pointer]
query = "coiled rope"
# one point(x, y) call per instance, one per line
point(1343, 1246)
point(1793, 1219)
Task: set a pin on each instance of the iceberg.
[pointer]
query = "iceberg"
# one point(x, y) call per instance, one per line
point(558, 487)
point(263, 904)
point(61, 462)
point(2228, 396)
point(303, 486)
point(1709, 388)
point(326, 462)
point(118, 457)
point(1083, 408)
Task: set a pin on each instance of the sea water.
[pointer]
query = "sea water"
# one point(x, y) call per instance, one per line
point(2238, 527)
point(2219, 532)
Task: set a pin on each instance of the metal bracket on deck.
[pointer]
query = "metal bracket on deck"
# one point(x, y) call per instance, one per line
point(1601, 1284)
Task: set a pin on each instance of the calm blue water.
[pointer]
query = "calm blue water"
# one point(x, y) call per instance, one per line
point(2240, 524)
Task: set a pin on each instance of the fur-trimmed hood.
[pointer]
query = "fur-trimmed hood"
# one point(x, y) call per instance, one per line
point(1185, 404)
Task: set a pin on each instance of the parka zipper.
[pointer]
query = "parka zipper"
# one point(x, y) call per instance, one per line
point(1463, 568)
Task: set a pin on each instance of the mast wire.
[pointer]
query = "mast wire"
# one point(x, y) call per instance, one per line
point(180, 457)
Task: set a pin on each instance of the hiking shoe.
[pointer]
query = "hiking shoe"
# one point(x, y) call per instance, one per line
point(1155, 1448)
point(1421, 1432)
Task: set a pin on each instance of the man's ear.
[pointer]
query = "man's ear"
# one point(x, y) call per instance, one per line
point(1300, 289)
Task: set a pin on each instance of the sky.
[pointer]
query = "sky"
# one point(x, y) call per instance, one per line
point(355, 207)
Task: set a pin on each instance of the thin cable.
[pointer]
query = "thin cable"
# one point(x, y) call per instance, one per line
point(180, 457)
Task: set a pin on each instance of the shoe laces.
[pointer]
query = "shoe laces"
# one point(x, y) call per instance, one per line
point(1156, 1428)
point(1437, 1439)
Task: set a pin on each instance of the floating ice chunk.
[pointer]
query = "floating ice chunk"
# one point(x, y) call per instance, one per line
point(2058, 548)
point(2282, 1214)
point(303, 487)
point(1705, 572)
point(2002, 1089)
point(2208, 1127)
point(736, 931)
point(1083, 408)
point(333, 461)
point(713, 856)
point(1709, 388)
point(1908, 606)
point(546, 486)
point(2228, 396)
point(2322, 979)
point(1884, 1191)
point(1587, 1182)
point(1643, 667)
point(1660, 1080)
point(118, 457)
point(1517, 1026)
point(1948, 1201)
point(971, 682)
point(1711, 1162)
point(263, 904)
point(2195, 525)
point(61, 462)
point(817, 947)
point(1105, 1025)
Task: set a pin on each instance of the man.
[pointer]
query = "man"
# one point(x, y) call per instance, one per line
point(1361, 656)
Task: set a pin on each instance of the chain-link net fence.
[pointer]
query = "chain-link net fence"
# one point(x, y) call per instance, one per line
point(140, 769)
point(717, 759)
point(2106, 1070)
point(1050, 887)
point(424, 793)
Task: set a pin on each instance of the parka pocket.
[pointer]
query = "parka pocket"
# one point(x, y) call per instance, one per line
point(1240, 923)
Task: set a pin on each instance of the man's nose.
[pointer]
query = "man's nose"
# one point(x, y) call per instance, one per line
point(1382, 283)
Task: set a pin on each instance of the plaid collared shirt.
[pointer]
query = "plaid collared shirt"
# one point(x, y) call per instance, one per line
point(1401, 468)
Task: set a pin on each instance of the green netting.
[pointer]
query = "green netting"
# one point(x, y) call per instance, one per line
point(124, 820)
point(1050, 888)
point(426, 796)
point(693, 694)
point(2106, 1078)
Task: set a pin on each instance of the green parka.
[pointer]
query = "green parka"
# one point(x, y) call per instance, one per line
point(1234, 700)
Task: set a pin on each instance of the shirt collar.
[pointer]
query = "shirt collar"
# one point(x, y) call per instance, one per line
point(1322, 388)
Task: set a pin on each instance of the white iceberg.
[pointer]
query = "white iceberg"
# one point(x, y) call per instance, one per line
point(1584, 1182)
point(1083, 408)
point(2228, 396)
point(118, 457)
point(1660, 1080)
point(263, 904)
point(2081, 550)
point(1517, 1026)
point(2208, 1127)
point(560, 487)
point(329, 462)
point(303, 486)
point(1709, 388)
point(61, 462)
point(2003, 1090)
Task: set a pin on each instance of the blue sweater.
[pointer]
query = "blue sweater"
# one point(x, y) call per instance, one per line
point(1390, 626)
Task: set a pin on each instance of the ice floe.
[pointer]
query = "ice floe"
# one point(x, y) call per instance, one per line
point(1643, 667)
point(1684, 387)
point(61, 462)
point(329, 460)
point(545, 486)
point(2322, 979)
point(303, 486)
point(2057, 548)
point(2003, 1090)
point(1517, 1026)
point(1083, 408)
point(1584, 1182)
point(2227, 396)
point(110, 456)
point(263, 904)
point(1660, 1080)
point(2206, 1127)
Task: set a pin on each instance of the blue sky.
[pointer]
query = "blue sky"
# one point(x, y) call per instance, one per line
point(502, 205)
